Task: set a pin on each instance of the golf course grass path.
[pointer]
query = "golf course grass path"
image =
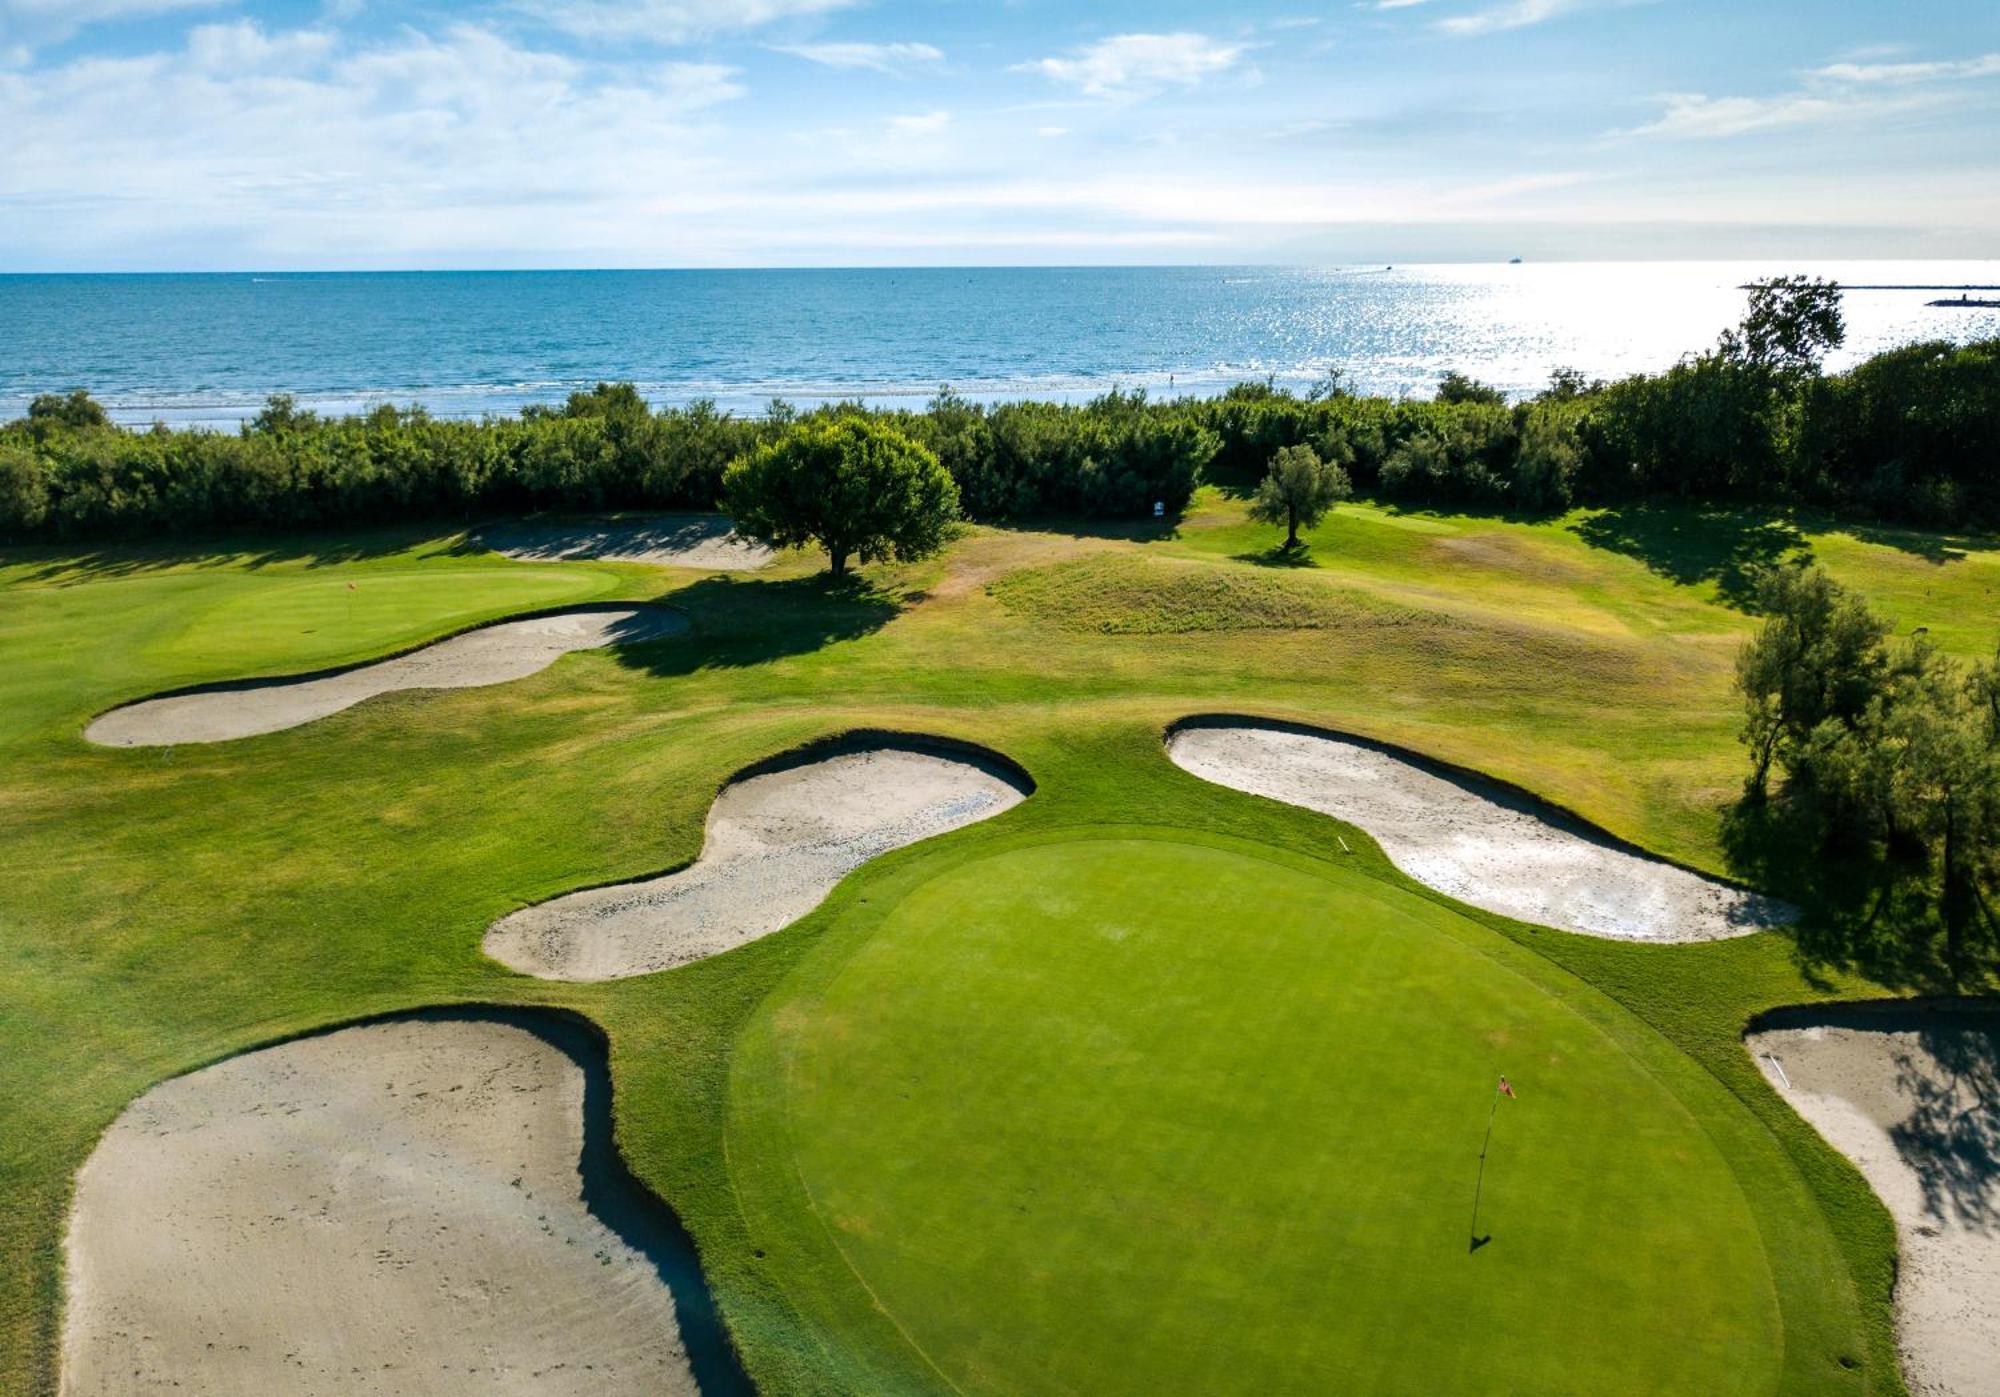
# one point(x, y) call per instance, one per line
point(1473, 839)
point(1150, 1113)
point(1911, 1094)
point(776, 843)
point(494, 654)
point(419, 1205)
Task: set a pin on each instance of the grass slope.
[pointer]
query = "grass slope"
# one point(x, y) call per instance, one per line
point(160, 910)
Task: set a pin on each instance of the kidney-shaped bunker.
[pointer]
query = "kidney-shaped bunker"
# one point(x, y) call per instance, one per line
point(495, 654)
point(777, 842)
point(1473, 839)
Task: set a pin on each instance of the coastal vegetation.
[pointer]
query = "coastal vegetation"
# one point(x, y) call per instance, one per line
point(1909, 436)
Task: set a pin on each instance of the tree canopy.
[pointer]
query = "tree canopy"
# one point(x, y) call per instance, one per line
point(851, 486)
point(1300, 488)
point(1891, 755)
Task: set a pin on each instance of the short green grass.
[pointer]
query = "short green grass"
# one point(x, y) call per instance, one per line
point(1149, 1114)
point(160, 909)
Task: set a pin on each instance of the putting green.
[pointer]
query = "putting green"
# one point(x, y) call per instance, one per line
point(1138, 1115)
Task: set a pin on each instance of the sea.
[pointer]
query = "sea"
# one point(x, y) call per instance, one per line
point(207, 349)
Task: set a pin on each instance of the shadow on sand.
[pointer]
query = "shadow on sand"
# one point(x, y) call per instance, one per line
point(617, 1198)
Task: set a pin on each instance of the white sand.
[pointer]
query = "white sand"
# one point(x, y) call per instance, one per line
point(776, 845)
point(392, 1208)
point(1912, 1096)
point(493, 654)
point(704, 541)
point(1477, 841)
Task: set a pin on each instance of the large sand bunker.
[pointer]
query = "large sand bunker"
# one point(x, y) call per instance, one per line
point(704, 541)
point(425, 1205)
point(1911, 1094)
point(493, 654)
point(1476, 840)
point(776, 844)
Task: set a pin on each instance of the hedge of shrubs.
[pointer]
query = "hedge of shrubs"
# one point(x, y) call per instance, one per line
point(1911, 435)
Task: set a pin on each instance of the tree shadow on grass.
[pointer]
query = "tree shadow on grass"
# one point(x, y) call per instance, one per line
point(1854, 917)
point(103, 561)
point(1280, 555)
point(1691, 544)
point(1934, 548)
point(1146, 530)
point(740, 622)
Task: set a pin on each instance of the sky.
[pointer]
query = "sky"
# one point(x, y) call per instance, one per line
point(142, 135)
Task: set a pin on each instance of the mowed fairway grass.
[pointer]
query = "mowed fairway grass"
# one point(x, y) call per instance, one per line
point(1143, 1085)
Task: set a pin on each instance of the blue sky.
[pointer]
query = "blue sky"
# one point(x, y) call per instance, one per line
point(198, 134)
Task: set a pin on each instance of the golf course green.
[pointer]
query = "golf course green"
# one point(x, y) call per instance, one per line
point(1143, 1084)
point(1150, 1112)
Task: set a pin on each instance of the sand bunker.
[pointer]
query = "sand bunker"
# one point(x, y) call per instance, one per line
point(492, 654)
point(1911, 1094)
point(427, 1205)
point(776, 845)
point(1475, 840)
point(704, 541)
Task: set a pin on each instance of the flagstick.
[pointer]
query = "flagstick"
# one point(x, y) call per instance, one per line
point(1480, 1187)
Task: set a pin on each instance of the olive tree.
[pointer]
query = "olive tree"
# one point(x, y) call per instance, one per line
point(851, 485)
point(1300, 488)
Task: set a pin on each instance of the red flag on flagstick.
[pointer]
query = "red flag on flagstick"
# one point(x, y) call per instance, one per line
point(1507, 1090)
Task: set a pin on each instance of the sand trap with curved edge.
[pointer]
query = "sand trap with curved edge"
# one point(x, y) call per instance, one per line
point(495, 654)
point(1476, 840)
point(426, 1205)
point(1911, 1094)
point(705, 541)
point(776, 844)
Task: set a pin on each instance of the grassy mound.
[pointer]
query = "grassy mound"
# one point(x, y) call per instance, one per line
point(1126, 595)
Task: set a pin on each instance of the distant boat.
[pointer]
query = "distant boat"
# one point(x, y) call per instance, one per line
point(1513, 261)
point(1967, 303)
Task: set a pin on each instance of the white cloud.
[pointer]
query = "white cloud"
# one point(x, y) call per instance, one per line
point(669, 21)
point(29, 22)
point(1905, 74)
point(281, 146)
point(1694, 116)
point(920, 124)
point(882, 58)
point(242, 46)
point(1128, 64)
point(1516, 14)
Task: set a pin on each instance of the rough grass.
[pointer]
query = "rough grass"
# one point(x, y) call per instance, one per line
point(1123, 594)
point(160, 910)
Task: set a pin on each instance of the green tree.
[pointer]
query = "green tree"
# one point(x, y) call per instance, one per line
point(851, 486)
point(1456, 387)
point(1938, 761)
point(1819, 657)
point(1300, 488)
point(1791, 324)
